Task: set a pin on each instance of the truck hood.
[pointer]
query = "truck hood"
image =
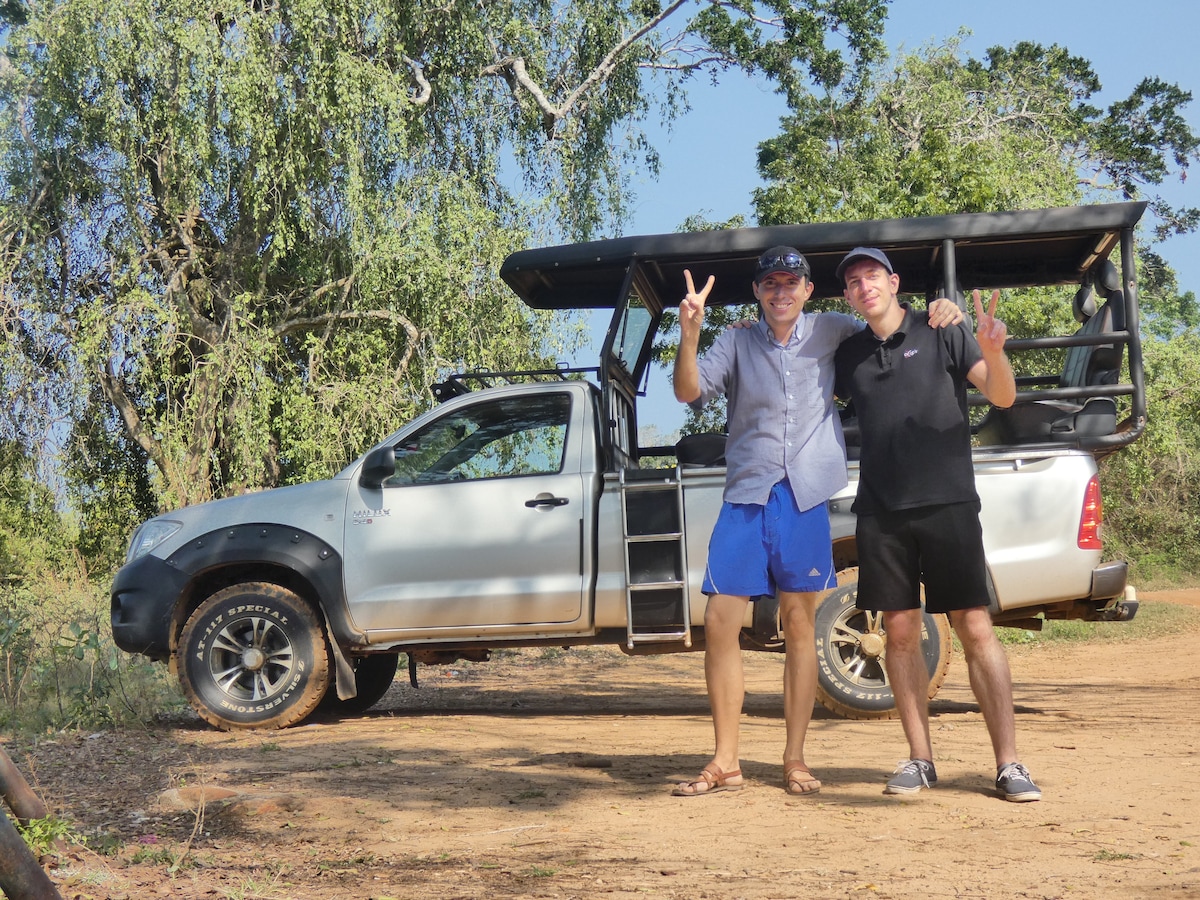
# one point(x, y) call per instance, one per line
point(317, 508)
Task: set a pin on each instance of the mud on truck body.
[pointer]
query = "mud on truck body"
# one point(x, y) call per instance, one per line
point(521, 510)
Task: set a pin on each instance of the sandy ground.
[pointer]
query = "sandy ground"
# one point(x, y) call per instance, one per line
point(544, 775)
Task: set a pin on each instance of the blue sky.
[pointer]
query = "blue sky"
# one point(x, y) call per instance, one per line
point(709, 156)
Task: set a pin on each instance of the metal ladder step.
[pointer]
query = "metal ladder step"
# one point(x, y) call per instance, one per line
point(657, 601)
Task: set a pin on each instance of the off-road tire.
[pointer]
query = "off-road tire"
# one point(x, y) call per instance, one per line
point(851, 680)
point(373, 676)
point(253, 655)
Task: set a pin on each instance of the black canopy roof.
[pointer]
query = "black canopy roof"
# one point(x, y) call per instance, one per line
point(991, 250)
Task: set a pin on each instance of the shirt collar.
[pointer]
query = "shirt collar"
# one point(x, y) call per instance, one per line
point(906, 325)
point(884, 346)
point(797, 331)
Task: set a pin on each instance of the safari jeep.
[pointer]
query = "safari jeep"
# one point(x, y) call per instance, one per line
point(520, 511)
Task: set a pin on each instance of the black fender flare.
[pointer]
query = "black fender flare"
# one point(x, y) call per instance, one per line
point(308, 560)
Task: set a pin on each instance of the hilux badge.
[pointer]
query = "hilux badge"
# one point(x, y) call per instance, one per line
point(367, 516)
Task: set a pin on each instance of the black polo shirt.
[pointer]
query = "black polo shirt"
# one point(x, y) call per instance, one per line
point(910, 395)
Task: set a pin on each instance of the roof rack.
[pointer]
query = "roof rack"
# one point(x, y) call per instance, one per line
point(457, 384)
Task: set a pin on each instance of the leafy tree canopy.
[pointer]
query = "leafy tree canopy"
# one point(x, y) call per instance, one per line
point(239, 241)
point(937, 133)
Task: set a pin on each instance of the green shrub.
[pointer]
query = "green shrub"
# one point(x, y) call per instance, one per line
point(58, 665)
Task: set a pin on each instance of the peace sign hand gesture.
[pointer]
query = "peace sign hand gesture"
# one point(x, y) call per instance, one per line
point(990, 332)
point(691, 307)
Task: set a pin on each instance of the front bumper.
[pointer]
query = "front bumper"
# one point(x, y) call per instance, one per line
point(144, 594)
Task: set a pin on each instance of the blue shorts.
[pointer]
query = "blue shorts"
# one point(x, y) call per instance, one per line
point(757, 550)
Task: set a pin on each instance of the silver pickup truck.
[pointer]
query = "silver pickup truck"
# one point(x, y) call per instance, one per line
point(521, 511)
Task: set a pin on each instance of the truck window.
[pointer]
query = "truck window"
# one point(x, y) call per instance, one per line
point(496, 439)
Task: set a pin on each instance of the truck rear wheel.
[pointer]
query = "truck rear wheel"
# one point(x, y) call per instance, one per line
point(851, 643)
point(373, 676)
point(253, 656)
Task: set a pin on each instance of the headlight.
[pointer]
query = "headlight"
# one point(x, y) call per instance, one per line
point(149, 536)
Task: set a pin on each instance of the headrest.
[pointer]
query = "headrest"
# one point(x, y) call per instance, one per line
point(1107, 277)
point(1085, 303)
point(701, 450)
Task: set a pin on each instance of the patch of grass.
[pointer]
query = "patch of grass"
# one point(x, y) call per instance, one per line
point(59, 668)
point(1113, 856)
point(44, 835)
point(174, 860)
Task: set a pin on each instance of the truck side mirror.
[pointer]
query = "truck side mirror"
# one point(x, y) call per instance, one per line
point(379, 466)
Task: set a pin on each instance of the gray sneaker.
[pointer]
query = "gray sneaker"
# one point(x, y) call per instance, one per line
point(1014, 783)
point(911, 776)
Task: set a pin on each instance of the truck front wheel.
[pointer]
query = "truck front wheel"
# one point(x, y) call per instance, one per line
point(851, 645)
point(253, 656)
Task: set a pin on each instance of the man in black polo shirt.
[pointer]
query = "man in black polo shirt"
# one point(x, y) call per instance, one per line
point(917, 508)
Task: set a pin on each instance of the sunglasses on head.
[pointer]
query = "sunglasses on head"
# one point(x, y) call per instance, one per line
point(787, 260)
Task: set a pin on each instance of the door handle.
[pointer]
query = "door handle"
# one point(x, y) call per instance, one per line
point(546, 501)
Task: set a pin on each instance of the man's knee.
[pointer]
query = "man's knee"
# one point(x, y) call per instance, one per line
point(973, 627)
point(797, 613)
point(725, 613)
point(903, 628)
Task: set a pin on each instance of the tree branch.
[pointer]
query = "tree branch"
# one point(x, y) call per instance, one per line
point(512, 69)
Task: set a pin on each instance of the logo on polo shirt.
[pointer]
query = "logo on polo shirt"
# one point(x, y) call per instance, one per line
point(909, 354)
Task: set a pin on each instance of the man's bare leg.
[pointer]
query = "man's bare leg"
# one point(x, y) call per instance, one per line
point(904, 661)
point(725, 679)
point(991, 680)
point(797, 613)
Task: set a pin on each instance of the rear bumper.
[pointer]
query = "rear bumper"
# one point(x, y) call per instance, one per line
point(1115, 599)
point(1109, 580)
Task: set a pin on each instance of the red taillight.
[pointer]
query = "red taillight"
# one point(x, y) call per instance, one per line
point(1091, 517)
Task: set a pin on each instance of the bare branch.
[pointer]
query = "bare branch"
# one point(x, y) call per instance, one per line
point(512, 69)
point(426, 90)
point(114, 390)
point(294, 326)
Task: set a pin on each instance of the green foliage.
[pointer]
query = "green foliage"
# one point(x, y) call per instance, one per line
point(937, 133)
point(934, 134)
point(44, 836)
point(238, 243)
point(1153, 621)
point(34, 541)
point(1152, 488)
point(59, 668)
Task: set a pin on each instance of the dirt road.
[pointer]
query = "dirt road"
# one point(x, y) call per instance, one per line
point(550, 777)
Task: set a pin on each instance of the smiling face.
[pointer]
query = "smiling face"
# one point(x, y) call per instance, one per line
point(782, 297)
point(871, 290)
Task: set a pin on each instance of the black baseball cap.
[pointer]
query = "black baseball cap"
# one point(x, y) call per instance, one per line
point(781, 259)
point(861, 253)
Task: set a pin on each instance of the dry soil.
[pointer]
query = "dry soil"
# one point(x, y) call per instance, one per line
point(544, 775)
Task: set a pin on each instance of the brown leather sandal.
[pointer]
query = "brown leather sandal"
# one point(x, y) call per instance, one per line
point(712, 776)
point(796, 775)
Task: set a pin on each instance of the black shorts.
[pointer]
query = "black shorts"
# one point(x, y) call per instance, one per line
point(941, 546)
